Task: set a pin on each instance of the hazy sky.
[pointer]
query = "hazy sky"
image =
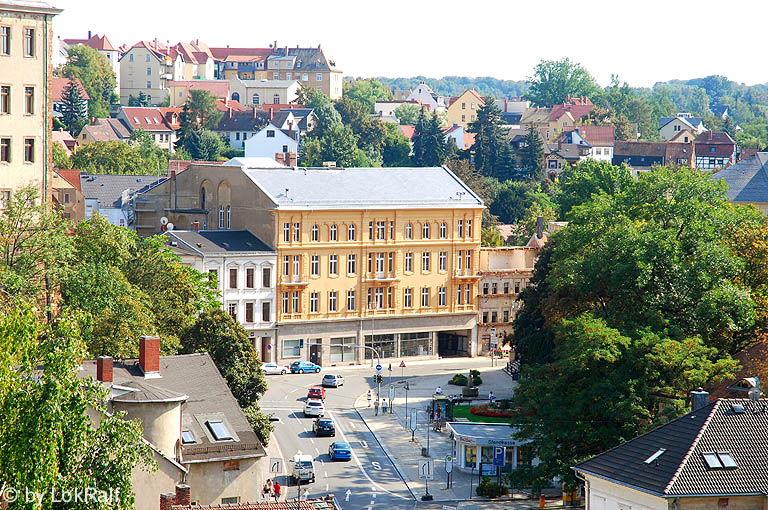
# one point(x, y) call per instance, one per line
point(643, 41)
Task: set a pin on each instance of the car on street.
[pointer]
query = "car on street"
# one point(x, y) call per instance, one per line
point(303, 469)
point(316, 392)
point(333, 380)
point(340, 451)
point(324, 427)
point(299, 367)
point(314, 408)
point(274, 368)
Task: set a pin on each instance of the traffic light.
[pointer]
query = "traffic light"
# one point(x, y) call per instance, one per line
point(301, 343)
point(377, 378)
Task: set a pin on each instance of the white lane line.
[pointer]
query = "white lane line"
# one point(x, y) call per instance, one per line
point(372, 502)
point(326, 485)
point(362, 469)
point(373, 495)
point(322, 462)
point(326, 475)
point(318, 451)
point(312, 441)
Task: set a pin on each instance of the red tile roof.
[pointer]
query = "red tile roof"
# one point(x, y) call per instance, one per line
point(577, 111)
point(597, 136)
point(219, 88)
point(224, 106)
point(408, 131)
point(277, 107)
point(150, 119)
point(714, 137)
point(70, 175)
point(97, 42)
point(241, 54)
point(59, 84)
point(469, 140)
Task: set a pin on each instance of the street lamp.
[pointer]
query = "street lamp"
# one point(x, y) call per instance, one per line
point(407, 416)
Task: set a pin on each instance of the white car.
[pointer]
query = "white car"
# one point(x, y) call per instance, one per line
point(314, 408)
point(273, 368)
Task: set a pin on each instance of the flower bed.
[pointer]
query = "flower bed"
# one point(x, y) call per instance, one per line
point(494, 413)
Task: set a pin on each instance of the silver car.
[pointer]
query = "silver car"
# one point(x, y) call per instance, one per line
point(273, 368)
point(333, 380)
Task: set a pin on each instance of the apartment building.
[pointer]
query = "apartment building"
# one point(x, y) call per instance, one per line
point(463, 108)
point(26, 74)
point(386, 258)
point(99, 43)
point(309, 66)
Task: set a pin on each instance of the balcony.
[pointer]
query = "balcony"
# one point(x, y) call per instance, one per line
point(293, 281)
point(383, 277)
point(466, 275)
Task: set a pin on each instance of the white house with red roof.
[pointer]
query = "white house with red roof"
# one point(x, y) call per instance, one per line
point(153, 121)
point(99, 43)
point(57, 92)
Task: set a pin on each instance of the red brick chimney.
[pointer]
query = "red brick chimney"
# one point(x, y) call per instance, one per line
point(292, 159)
point(104, 368)
point(195, 226)
point(182, 494)
point(149, 355)
point(167, 501)
point(280, 158)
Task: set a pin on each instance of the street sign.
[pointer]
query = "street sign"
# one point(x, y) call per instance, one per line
point(446, 507)
point(448, 463)
point(498, 456)
point(402, 364)
point(391, 392)
point(269, 347)
point(426, 469)
point(493, 345)
point(414, 414)
point(378, 368)
point(276, 466)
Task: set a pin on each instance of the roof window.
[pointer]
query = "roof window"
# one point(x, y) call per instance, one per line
point(656, 455)
point(719, 460)
point(737, 409)
point(219, 430)
point(187, 437)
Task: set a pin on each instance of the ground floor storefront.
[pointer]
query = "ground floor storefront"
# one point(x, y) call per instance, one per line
point(340, 342)
point(475, 444)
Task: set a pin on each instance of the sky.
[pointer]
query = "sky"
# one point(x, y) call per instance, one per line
point(642, 42)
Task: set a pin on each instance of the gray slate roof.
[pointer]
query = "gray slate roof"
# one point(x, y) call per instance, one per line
point(377, 188)
point(693, 121)
point(217, 242)
point(747, 180)
point(107, 189)
point(143, 392)
point(681, 469)
point(195, 375)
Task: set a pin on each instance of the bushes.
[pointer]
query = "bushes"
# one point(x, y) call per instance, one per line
point(487, 411)
point(461, 379)
point(490, 489)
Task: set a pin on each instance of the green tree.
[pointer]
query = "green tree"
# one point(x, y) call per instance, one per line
point(327, 118)
point(492, 153)
point(532, 154)
point(554, 81)
point(204, 145)
point(60, 158)
point(95, 73)
point(112, 158)
point(50, 442)
point(311, 97)
point(73, 108)
point(397, 149)
point(429, 145)
point(367, 92)
point(140, 100)
point(491, 237)
point(216, 333)
point(370, 131)
point(408, 114)
point(579, 182)
point(509, 200)
point(339, 144)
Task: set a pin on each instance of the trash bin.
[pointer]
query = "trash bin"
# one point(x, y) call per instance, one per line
point(515, 376)
point(424, 452)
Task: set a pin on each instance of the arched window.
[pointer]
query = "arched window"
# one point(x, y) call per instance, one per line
point(351, 234)
point(202, 198)
point(425, 231)
point(409, 230)
point(229, 217)
point(315, 233)
point(276, 98)
point(334, 233)
point(235, 96)
point(255, 99)
point(221, 217)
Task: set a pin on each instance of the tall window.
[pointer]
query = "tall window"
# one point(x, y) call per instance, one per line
point(425, 296)
point(286, 232)
point(370, 262)
point(370, 231)
point(468, 264)
point(333, 265)
point(285, 303)
point(408, 298)
point(391, 262)
point(314, 302)
point(286, 265)
point(29, 42)
point(494, 288)
point(334, 233)
point(409, 262)
point(351, 300)
point(469, 228)
point(379, 298)
point(459, 296)
point(5, 150)
point(315, 265)
point(229, 216)
point(333, 297)
point(409, 230)
point(255, 99)
point(5, 40)
point(443, 230)
point(441, 296)
point(315, 233)
point(443, 258)
point(380, 262)
point(5, 99)
point(296, 265)
point(461, 228)
point(266, 277)
point(233, 278)
point(232, 310)
point(468, 294)
point(221, 216)
point(351, 264)
point(297, 232)
point(296, 302)
point(425, 261)
point(276, 98)
point(29, 150)
point(351, 234)
point(29, 100)
point(392, 230)
point(249, 274)
point(390, 300)
point(249, 312)
point(460, 259)
point(266, 313)
point(380, 226)
point(425, 231)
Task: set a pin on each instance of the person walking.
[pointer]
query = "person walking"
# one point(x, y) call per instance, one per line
point(265, 491)
point(276, 491)
point(376, 406)
point(384, 406)
point(369, 398)
point(490, 397)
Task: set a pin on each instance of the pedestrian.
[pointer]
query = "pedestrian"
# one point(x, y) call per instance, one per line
point(376, 406)
point(276, 491)
point(438, 391)
point(490, 397)
point(265, 491)
point(384, 406)
point(270, 484)
point(369, 398)
point(438, 413)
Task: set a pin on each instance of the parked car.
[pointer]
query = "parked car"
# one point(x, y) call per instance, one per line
point(314, 408)
point(333, 380)
point(324, 427)
point(316, 392)
point(303, 469)
point(274, 368)
point(340, 451)
point(304, 366)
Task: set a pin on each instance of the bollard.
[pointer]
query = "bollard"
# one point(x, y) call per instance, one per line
point(542, 501)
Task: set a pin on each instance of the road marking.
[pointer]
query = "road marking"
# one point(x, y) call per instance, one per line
point(376, 466)
point(326, 475)
point(365, 473)
point(363, 444)
point(372, 502)
point(312, 441)
point(318, 451)
point(373, 495)
point(322, 462)
point(326, 485)
point(353, 425)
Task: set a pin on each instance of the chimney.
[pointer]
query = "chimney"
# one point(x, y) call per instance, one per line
point(182, 494)
point(230, 112)
point(280, 158)
point(173, 175)
point(195, 226)
point(293, 159)
point(149, 355)
point(89, 34)
point(290, 128)
point(540, 227)
point(104, 368)
point(167, 501)
point(699, 398)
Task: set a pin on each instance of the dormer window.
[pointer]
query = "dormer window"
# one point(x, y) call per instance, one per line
point(187, 437)
point(219, 430)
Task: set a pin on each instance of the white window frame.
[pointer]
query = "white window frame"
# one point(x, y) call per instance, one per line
point(351, 264)
point(333, 265)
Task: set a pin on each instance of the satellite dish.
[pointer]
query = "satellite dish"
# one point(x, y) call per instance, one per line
point(169, 226)
point(754, 394)
point(163, 220)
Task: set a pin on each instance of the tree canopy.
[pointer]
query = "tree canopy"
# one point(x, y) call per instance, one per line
point(95, 73)
point(367, 92)
point(554, 81)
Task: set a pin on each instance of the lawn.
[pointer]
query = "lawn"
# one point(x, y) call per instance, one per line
point(463, 412)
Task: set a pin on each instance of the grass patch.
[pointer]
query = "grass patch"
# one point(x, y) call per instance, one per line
point(463, 412)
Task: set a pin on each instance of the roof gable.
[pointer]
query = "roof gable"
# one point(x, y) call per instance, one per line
point(747, 180)
point(59, 84)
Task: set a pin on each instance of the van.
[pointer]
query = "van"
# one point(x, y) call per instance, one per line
point(303, 469)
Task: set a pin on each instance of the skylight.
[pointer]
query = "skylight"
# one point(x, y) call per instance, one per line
point(219, 430)
point(712, 461)
point(656, 455)
point(727, 460)
point(719, 460)
point(187, 437)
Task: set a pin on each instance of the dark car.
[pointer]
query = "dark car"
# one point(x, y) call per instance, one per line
point(324, 427)
point(316, 392)
point(340, 451)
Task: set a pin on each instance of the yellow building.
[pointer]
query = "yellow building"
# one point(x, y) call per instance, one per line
point(463, 109)
point(26, 76)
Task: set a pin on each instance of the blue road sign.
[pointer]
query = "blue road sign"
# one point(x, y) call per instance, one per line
point(378, 368)
point(498, 456)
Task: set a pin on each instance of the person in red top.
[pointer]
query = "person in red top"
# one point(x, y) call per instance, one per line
point(276, 491)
